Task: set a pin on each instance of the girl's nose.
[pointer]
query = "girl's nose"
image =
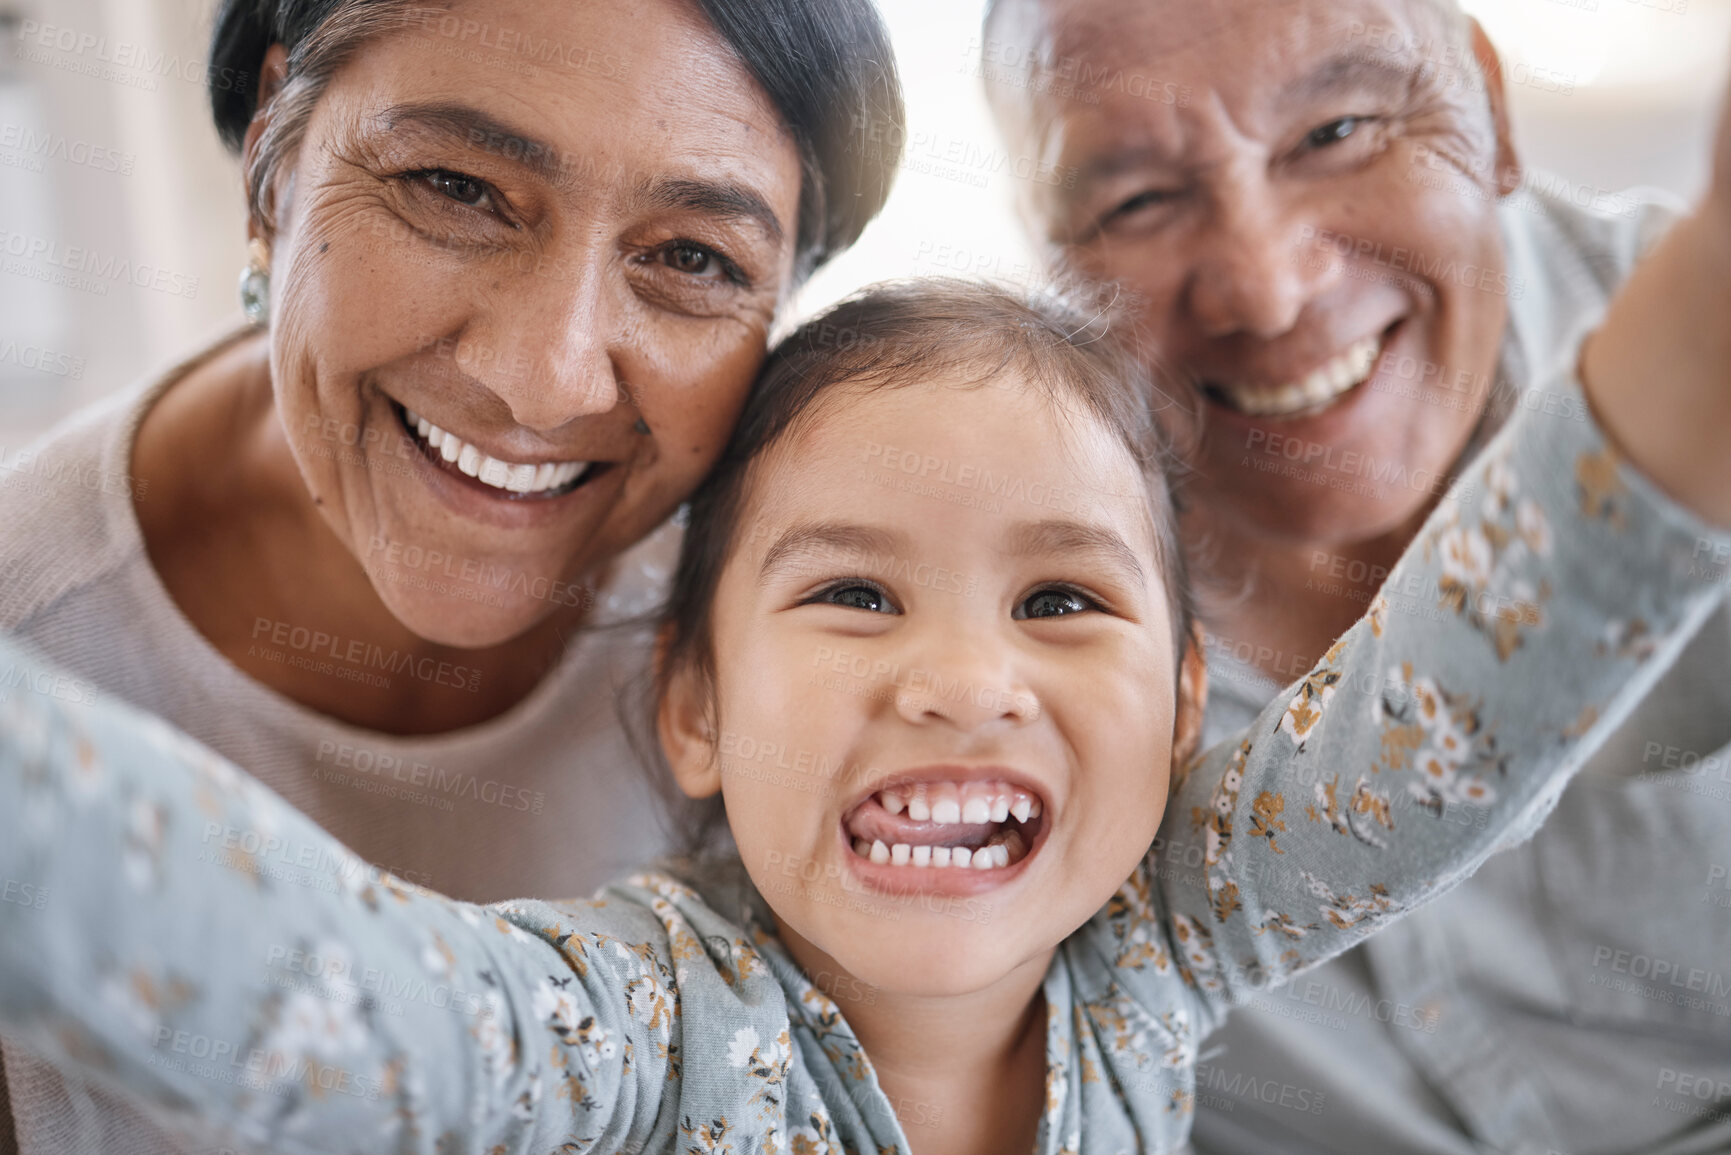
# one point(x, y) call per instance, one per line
point(969, 688)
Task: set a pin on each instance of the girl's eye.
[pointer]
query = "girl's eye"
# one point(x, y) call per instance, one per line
point(1334, 131)
point(465, 190)
point(1052, 602)
point(857, 596)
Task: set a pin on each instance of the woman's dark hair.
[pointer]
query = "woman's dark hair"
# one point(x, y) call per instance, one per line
point(826, 66)
point(909, 332)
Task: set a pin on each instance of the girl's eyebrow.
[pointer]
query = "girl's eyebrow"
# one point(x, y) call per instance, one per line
point(1061, 537)
point(826, 539)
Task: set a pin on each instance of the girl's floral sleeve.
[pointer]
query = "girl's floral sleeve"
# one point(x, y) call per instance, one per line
point(170, 924)
point(1542, 599)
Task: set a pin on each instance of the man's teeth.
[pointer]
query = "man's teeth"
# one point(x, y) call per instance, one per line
point(1341, 375)
point(506, 475)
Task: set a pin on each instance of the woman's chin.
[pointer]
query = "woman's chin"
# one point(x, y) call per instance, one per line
point(450, 619)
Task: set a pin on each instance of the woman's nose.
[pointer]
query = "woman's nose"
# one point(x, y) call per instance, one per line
point(553, 333)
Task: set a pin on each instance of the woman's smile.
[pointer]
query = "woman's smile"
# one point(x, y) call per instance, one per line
point(507, 480)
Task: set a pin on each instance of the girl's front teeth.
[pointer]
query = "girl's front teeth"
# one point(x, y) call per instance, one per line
point(506, 475)
point(936, 805)
point(949, 802)
point(1004, 848)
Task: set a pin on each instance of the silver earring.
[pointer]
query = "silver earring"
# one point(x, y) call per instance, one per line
point(255, 285)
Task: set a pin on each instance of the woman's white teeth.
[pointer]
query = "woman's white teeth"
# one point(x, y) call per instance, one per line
point(1323, 384)
point(514, 477)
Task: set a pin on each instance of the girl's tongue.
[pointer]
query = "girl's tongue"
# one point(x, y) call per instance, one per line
point(919, 823)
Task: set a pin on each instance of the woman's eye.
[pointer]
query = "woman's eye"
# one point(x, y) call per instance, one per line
point(1334, 131)
point(696, 260)
point(1052, 603)
point(465, 190)
point(855, 596)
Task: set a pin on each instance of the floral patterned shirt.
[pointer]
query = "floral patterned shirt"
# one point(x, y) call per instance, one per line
point(175, 928)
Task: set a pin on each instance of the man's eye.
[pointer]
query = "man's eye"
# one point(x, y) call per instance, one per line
point(1052, 603)
point(1334, 131)
point(856, 596)
point(1151, 198)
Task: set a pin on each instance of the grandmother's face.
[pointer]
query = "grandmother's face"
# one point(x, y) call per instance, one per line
point(1299, 198)
point(523, 270)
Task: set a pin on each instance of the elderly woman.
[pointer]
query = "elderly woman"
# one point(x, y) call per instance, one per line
point(514, 267)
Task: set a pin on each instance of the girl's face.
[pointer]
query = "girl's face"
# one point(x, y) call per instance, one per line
point(556, 232)
point(942, 635)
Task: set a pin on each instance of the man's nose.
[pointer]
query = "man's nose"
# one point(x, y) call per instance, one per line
point(1252, 272)
point(965, 681)
point(550, 335)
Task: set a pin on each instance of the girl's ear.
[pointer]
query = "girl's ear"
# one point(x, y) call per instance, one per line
point(1192, 702)
point(684, 723)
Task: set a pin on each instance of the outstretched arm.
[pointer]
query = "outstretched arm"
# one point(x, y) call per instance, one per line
point(1538, 605)
point(1658, 371)
point(171, 924)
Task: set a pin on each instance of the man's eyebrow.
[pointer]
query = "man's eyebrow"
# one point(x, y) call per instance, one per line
point(725, 199)
point(1065, 538)
point(1116, 163)
point(827, 540)
point(471, 128)
point(1355, 68)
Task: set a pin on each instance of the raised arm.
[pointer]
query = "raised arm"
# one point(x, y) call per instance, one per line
point(171, 925)
point(1539, 603)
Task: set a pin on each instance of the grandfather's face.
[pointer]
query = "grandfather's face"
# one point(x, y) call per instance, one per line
point(1299, 198)
point(524, 268)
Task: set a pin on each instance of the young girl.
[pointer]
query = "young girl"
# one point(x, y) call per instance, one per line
point(929, 643)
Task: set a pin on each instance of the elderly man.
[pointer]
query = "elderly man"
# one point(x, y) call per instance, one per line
point(1317, 216)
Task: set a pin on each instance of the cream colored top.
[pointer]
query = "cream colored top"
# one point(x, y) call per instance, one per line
point(494, 811)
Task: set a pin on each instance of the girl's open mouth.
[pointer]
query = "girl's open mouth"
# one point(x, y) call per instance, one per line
point(935, 831)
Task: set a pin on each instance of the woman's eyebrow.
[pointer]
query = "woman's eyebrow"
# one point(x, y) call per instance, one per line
point(728, 200)
point(469, 127)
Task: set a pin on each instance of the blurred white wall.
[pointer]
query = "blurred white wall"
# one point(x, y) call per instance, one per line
point(122, 229)
point(121, 220)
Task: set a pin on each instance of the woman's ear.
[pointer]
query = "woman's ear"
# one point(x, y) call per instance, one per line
point(1192, 701)
point(272, 74)
point(1508, 171)
point(685, 724)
